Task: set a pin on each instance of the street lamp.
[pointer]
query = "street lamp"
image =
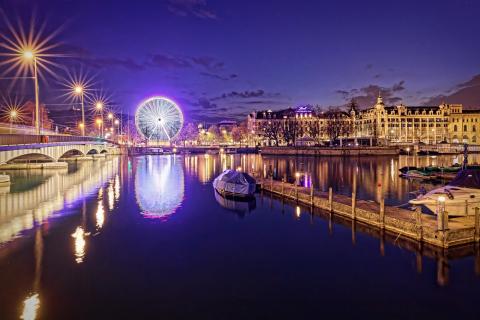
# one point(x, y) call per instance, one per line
point(78, 90)
point(99, 107)
point(100, 124)
point(13, 116)
point(29, 55)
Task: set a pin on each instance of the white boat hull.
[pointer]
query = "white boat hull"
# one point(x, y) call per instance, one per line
point(458, 201)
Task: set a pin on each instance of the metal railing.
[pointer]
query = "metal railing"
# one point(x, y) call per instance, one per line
point(18, 139)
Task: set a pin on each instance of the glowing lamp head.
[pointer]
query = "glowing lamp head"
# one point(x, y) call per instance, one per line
point(99, 106)
point(81, 125)
point(110, 115)
point(98, 121)
point(160, 120)
point(297, 174)
point(78, 89)
point(28, 54)
point(441, 199)
point(117, 122)
point(111, 129)
point(13, 114)
point(408, 149)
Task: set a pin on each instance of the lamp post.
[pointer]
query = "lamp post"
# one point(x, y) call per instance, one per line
point(99, 106)
point(13, 116)
point(100, 125)
point(30, 55)
point(78, 89)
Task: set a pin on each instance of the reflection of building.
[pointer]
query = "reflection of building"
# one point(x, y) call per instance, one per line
point(379, 124)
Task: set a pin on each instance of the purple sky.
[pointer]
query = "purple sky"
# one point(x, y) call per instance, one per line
point(223, 59)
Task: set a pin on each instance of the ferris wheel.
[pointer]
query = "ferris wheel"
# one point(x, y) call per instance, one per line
point(158, 119)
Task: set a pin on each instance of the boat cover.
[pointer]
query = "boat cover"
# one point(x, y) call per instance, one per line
point(235, 182)
point(468, 178)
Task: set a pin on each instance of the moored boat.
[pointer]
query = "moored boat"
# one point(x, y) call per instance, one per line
point(235, 183)
point(460, 197)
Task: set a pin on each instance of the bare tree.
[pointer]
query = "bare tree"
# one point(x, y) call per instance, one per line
point(271, 131)
point(338, 124)
point(315, 131)
point(290, 131)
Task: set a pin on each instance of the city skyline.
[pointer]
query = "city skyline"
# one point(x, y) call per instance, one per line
point(224, 60)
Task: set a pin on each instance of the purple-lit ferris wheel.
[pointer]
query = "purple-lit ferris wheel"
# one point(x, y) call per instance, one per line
point(158, 119)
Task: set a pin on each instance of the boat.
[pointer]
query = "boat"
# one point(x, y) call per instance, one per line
point(461, 196)
point(235, 184)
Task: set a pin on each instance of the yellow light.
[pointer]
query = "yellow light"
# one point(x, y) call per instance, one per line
point(28, 54)
point(408, 149)
point(239, 169)
point(79, 236)
point(81, 125)
point(111, 129)
point(98, 121)
point(441, 199)
point(174, 150)
point(78, 89)
point(297, 174)
point(99, 105)
point(13, 114)
point(30, 307)
point(117, 122)
point(110, 115)
point(222, 150)
point(298, 211)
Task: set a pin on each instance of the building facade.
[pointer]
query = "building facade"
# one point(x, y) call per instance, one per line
point(379, 124)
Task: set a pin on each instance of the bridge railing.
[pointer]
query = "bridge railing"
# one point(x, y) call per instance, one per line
point(15, 139)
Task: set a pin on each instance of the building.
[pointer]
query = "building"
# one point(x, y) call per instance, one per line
point(379, 124)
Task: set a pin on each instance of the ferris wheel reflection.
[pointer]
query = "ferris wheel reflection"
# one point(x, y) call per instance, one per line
point(159, 185)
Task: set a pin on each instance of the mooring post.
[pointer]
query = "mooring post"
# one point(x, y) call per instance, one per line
point(330, 199)
point(382, 213)
point(271, 183)
point(296, 191)
point(354, 203)
point(441, 213)
point(282, 184)
point(418, 219)
point(311, 194)
point(477, 224)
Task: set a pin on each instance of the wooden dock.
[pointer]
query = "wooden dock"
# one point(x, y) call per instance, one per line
point(415, 225)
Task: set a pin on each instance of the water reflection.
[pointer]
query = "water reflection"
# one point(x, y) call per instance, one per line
point(34, 204)
point(159, 185)
point(80, 243)
point(241, 207)
point(30, 307)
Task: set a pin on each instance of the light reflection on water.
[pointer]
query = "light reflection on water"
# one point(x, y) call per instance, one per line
point(93, 191)
point(159, 185)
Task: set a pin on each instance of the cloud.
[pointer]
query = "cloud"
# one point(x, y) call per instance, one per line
point(247, 94)
point(205, 103)
point(214, 76)
point(101, 63)
point(367, 96)
point(466, 93)
point(209, 63)
point(196, 8)
point(168, 61)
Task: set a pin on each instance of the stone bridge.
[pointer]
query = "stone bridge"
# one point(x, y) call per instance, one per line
point(44, 155)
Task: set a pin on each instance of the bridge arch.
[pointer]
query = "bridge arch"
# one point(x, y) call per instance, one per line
point(92, 151)
point(31, 157)
point(71, 154)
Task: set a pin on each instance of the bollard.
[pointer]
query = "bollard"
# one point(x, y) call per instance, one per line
point(418, 219)
point(441, 213)
point(271, 183)
point(477, 225)
point(354, 203)
point(382, 213)
point(330, 199)
point(466, 208)
point(282, 184)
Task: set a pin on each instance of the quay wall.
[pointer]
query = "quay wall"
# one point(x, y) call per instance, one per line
point(326, 151)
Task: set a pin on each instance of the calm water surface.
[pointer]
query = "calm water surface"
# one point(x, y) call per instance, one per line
point(147, 237)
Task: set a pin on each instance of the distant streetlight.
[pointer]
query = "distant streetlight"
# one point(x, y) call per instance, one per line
point(29, 55)
point(13, 116)
point(100, 124)
point(78, 90)
point(99, 107)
